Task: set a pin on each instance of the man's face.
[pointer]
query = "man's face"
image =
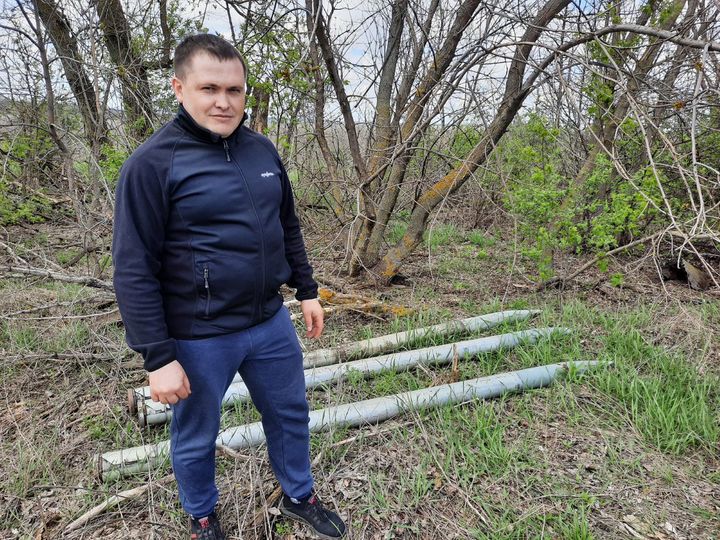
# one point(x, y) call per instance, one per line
point(213, 92)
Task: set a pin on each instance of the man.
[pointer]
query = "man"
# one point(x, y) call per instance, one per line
point(205, 233)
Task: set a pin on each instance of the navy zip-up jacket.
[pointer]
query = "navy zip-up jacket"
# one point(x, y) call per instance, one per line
point(205, 233)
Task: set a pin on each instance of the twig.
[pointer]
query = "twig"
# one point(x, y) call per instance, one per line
point(115, 500)
point(269, 502)
point(49, 274)
point(454, 374)
point(561, 280)
point(37, 308)
point(61, 317)
point(229, 452)
point(277, 492)
point(12, 253)
point(70, 357)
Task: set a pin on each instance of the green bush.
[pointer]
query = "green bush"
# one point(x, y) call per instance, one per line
point(557, 211)
point(32, 155)
point(15, 208)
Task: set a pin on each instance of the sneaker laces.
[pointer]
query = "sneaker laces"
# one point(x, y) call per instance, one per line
point(319, 509)
point(209, 528)
point(316, 505)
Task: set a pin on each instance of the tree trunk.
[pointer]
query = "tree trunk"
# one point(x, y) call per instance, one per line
point(371, 233)
point(382, 128)
point(515, 93)
point(129, 67)
point(82, 88)
point(335, 193)
point(259, 118)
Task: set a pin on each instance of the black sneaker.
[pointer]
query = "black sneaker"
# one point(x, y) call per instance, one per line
point(207, 528)
point(325, 523)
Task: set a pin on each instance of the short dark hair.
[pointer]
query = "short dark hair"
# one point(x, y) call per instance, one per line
point(211, 44)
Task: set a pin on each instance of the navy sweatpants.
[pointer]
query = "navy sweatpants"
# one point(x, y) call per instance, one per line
point(269, 360)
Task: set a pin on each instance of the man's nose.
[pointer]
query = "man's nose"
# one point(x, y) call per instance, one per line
point(221, 100)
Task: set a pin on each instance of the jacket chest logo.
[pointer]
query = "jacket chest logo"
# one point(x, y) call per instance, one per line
point(267, 174)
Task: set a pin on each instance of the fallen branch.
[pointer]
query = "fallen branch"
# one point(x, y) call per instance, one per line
point(105, 314)
point(562, 280)
point(270, 501)
point(364, 309)
point(127, 495)
point(70, 303)
point(57, 276)
point(70, 357)
point(361, 303)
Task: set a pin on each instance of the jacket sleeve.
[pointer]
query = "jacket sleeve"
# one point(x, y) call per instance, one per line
point(301, 277)
point(141, 210)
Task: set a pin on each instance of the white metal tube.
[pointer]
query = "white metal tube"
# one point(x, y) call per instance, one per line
point(140, 402)
point(369, 347)
point(371, 411)
point(153, 412)
point(380, 344)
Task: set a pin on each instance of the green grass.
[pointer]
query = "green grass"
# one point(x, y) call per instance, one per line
point(669, 403)
point(568, 523)
point(68, 291)
point(99, 428)
point(473, 443)
point(395, 231)
point(71, 336)
point(64, 256)
point(673, 407)
point(29, 336)
point(480, 239)
point(442, 234)
point(239, 413)
point(572, 524)
point(283, 527)
point(512, 459)
point(33, 462)
point(19, 337)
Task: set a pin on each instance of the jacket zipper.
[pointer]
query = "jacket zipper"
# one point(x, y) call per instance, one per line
point(227, 150)
point(261, 302)
point(206, 277)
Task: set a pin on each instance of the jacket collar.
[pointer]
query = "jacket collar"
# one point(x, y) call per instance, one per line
point(189, 124)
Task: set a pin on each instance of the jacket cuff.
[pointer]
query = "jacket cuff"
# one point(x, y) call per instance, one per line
point(307, 294)
point(158, 354)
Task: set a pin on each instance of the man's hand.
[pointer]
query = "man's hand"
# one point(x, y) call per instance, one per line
point(169, 384)
point(313, 314)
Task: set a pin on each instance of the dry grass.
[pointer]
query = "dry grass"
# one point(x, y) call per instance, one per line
point(571, 461)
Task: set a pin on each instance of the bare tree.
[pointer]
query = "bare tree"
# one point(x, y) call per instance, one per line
point(631, 85)
point(129, 66)
point(625, 57)
point(516, 90)
point(390, 151)
point(65, 44)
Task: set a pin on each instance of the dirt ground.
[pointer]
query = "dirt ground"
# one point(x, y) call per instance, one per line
point(557, 463)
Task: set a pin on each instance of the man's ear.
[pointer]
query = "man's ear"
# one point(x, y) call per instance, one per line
point(177, 87)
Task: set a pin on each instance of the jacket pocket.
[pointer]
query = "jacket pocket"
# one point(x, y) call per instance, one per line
point(204, 290)
point(226, 288)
